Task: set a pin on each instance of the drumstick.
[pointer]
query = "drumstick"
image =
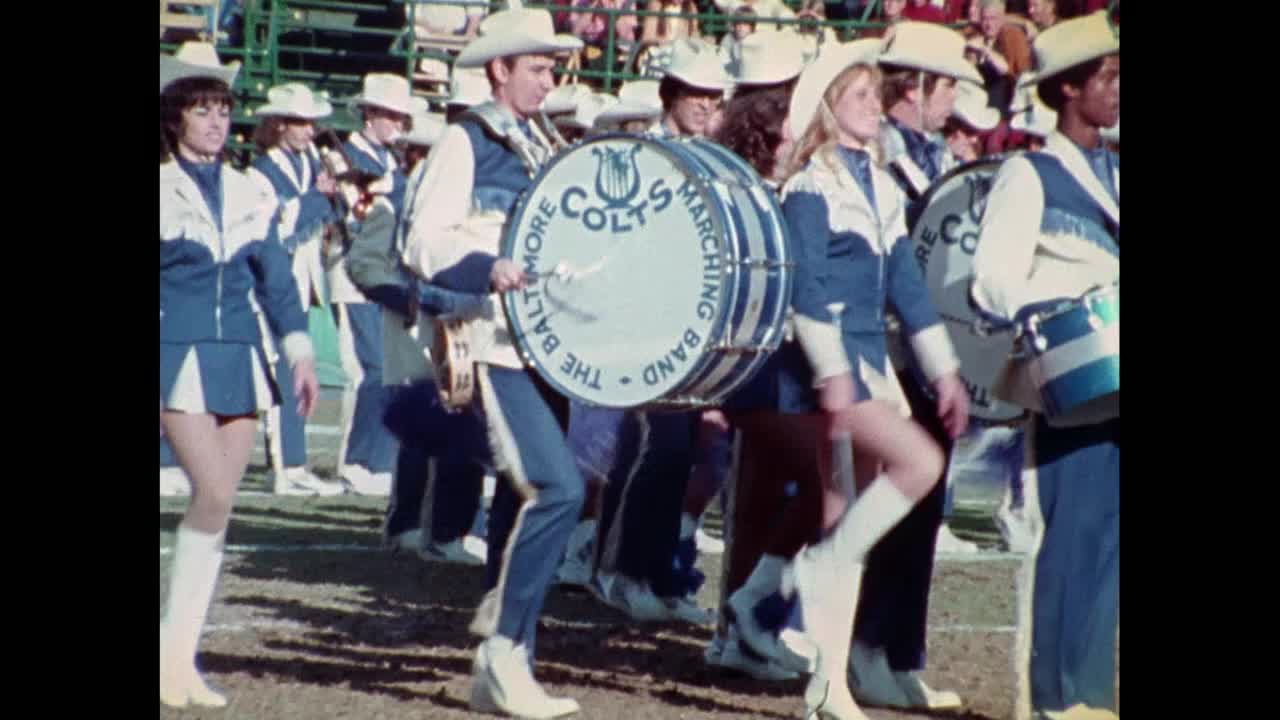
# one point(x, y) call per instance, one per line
point(842, 443)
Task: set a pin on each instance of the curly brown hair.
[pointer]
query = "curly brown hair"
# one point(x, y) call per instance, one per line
point(753, 127)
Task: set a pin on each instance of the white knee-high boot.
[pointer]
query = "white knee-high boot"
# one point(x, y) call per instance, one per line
point(197, 559)
point(828, 576)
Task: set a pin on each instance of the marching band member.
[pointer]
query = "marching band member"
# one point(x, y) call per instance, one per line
point(970, 118)
point(853, 262)
point(367, 451)
point(288, 165)
point(921, 68)
point(1051, 231)
point(474, 176)
point(217, 248)
point(648, 548)
point(439, 476)
point(923, 64)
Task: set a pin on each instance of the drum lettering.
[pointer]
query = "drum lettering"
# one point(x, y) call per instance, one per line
point(947, 227)
point(530, 264)
point(549, 344)
point(541, 327)
point(928, 236)
point(678, 353)
point(546, 208)
point(666, 367)
point(533, 241)
point(614, 226)
point(537, 310)
point(597, 214)
point(707, 301)
point(660, 194)
point(580, 371)
point(704, 231)
point(711, 265)
point(691, 338)
point(564, 202)
point(978, 395)
point(688, 192)
point(969, 243)
point(650, 375)
point(922, 257)
point(637, 212)
point(709, 244)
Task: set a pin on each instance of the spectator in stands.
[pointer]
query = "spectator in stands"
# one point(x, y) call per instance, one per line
point(289, 167)
point(593, 28)
point(662, 29)
point(924, 11)
point(441, 19)
point(1003, 51)
point(731, 43)
point(1044, 13)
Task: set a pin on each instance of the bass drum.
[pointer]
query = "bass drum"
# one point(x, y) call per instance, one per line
point(661, 271)
point(945, 236)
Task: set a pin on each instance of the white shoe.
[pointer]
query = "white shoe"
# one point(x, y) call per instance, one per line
point(707, 544)
point(636, 599)
point(949, 544)
point(174, 482)
point(871, 680)
point(452, 552)
point(180, 688)
point(922, 697)
point(735, 655)
point(407, 541)
point(825, 700)
point(684, 609)
point(363, 482)
point(502, 682)
point(1015, 529)
point(301, 481)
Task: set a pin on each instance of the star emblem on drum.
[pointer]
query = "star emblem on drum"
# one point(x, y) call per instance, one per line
point(617, 175)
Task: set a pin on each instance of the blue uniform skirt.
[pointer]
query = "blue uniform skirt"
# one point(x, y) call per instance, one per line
point(784, 383)
point(221, 378)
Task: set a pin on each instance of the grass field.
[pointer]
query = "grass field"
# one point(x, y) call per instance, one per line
point(312, 619)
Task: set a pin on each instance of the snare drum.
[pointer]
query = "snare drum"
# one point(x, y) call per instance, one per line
point(1075, 352)
point(662, 270)
point(945, 238)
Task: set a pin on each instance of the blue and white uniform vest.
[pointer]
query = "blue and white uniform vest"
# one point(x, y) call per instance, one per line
point(377, 161)
point(851, 247)
point(304, 211)
point(1051, 232)
point(915, 161)
point(220, 261)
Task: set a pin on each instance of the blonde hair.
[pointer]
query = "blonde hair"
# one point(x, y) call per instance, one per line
point(820, 138)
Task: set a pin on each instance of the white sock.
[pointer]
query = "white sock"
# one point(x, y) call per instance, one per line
point(688, 525)
point(197, 558)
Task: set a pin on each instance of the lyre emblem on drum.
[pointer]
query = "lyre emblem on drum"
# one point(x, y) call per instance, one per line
point(979, 189)
point(617, 176)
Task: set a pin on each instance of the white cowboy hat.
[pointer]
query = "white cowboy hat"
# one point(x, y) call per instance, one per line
point(469, 86)
point(427, 129)
point(196, 59)
point(1022, 94)
point(769, 57)
point(295, 100)
point(387, 91)
point(519, 31)
point(1035, 119)
point(637, 100)
point(589, 108)
point(972, 107)
point(929, 47)
point(815, 79)
point(1070, 43)
point(697, 64)
point(565, 98)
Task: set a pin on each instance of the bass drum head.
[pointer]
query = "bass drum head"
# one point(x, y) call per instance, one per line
point(945, 237)
point(630, 317)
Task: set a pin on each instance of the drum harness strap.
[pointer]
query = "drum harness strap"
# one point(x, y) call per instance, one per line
point(504, 128)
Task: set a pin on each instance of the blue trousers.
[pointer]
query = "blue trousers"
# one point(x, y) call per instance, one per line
point(537, 500)
point(440, 465)
point(893, 606)
point(367, 441)
point(1076, 598)
point(293, 428)
point(640, 510)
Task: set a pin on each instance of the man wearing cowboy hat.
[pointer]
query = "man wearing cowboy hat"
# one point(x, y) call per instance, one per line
point(691, 90)
point(475, 174)
point(367, 452)
point(1051, 232)
point(289, 166)
point(922, 63)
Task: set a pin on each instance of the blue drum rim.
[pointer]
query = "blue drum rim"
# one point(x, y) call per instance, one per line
point(506, 246)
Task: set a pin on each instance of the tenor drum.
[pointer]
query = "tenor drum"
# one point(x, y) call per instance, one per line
point(1076, 355)
point(945, 237)
point(662, 272)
